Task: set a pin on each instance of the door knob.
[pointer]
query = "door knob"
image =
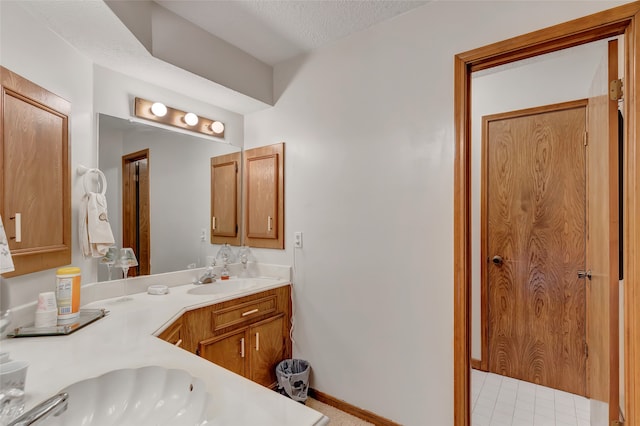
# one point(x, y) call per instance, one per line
point(584, 274)
point(497, 260)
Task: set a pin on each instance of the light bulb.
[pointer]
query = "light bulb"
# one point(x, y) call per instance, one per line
point(217, 127)
point(159, 109)
point(191, 119)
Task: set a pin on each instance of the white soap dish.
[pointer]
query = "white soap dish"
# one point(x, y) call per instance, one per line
point(158, 289)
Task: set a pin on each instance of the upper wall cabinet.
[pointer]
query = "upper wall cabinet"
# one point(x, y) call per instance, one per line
point(35, 178)
point(225, 199)
point(264, 196)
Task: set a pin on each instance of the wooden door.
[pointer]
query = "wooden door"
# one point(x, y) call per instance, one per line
point(535, 217)
point(136, 226)
point(267, 349)
point(602, 246)
point(228, 351)
point(225, 199)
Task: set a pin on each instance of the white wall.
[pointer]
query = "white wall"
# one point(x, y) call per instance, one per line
point(32, 51)
point(553, 78)
point(368, 127)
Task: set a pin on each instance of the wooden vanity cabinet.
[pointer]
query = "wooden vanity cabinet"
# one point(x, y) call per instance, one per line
point(263, 192)
point(252, 351)
point(35, 179)
point(248, 335)
point(225, 199)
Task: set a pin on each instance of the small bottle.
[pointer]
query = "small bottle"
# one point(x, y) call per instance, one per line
point(68, 293)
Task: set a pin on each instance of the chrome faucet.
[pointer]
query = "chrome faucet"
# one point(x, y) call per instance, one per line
point(207, 277)
point(55, 406)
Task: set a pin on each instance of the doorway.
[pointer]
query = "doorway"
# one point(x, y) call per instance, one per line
point(621, 20)
point(534, 199)
point(135, 209)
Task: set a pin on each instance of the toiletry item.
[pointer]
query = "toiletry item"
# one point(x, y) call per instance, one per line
point(157, 289)
point(68, 292)
point(47, 301)
point(46, 311)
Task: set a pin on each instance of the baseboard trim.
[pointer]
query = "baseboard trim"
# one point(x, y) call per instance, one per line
point(351, 409)
point(476, 364)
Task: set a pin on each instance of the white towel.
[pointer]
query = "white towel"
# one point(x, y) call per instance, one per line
point(6, 263)
point(95, 231)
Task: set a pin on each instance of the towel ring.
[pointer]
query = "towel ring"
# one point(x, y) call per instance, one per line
point(102, 180)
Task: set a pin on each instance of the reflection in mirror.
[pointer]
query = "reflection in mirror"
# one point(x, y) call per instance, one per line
point(499, 336)
point(179, 191)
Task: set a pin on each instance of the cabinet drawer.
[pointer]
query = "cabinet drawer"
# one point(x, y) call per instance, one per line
point(244, 312)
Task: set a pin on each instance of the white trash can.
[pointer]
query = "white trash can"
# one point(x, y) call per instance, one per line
point(293, 379)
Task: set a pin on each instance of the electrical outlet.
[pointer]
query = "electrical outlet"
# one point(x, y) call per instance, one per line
point(203, 234)
point(297, 239)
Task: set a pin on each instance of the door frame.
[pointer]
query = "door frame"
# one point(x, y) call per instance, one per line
point(128, 216)
point(609, 23)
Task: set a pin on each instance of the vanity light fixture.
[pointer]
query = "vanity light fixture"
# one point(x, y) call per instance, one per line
point(158, 112)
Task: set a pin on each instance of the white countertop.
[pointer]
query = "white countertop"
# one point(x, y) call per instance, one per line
point(125, 339)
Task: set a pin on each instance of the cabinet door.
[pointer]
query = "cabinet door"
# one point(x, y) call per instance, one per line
point(34, 174)
point(225, 199)
point(264, 196)
point(267, 349)
point(228, 351)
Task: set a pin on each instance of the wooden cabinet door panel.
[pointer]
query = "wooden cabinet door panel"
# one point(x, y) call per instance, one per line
point(225, 199)
point(264, 196)
point(34, 174)
point(228, 351)
point(267, 349)
point(36, 152)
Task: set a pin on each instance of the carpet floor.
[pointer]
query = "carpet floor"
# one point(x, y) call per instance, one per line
point(336, 417)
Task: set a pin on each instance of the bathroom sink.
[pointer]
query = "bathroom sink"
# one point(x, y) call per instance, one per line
point(228, 286)
point(144, 396)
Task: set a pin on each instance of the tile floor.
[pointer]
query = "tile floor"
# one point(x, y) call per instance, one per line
point(502, 401)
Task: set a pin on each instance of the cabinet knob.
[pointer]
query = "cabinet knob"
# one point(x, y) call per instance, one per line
point(242, 347)
point(497, 260)
point(257, 342)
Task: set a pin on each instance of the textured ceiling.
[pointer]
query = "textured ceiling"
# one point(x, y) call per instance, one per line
point(269, 30)
point(273, 31)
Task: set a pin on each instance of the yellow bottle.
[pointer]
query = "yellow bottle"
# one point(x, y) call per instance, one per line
point(68, 292)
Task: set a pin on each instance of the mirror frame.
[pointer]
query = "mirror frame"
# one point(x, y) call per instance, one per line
point(613, 22)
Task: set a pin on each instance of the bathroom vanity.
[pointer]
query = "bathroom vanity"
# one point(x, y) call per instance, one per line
point(248, 335)
point(193, 328)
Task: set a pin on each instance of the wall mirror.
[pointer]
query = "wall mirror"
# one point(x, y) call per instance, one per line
point(175, 170)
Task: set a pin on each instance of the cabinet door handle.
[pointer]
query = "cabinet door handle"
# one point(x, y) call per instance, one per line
point(18, 219)
point(242, 347)
point(253, 311)
point(269, 220)
point(257, 341)
point(213, 222)
point(178, 343)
